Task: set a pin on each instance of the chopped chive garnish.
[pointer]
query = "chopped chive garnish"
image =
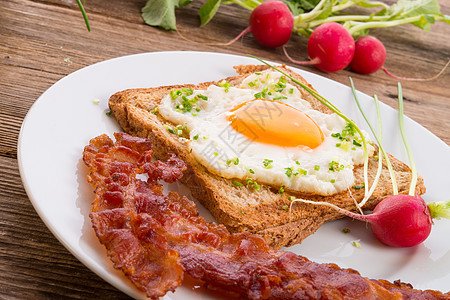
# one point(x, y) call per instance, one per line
point(303, 172)
point(317, 167)
point(280, 98)
point(332, 180)
point(358, 187)
point(281, 190)
point(187, 91)
point(345, 230)
point(170, 129)
point(184, 103)
point(225, 85)
point(202, 97)
point(174, 94)
point(155, 111)
point(108, 113)
point(281, 82)
point(356, 244)
point(251, 171)
point(237, 183)
point(356, 143)
point(285, 207)
point(291, 198)
point(195, 137)
point(289, 171)
point(336, 135)
point(335, 166)
point(234, 161)
point(268, 163)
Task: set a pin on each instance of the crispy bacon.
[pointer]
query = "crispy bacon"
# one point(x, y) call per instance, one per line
point(155, 238)
point(143, 255)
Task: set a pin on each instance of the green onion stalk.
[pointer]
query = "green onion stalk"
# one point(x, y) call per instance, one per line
point(412, 187)
point(83, 12)
point(380, 146)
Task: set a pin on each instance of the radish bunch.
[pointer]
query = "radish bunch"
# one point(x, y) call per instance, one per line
point(332, 48)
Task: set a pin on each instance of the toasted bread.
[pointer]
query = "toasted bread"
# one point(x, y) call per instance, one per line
point(241, 208)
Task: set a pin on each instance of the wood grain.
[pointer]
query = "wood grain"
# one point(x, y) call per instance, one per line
point(43, 41)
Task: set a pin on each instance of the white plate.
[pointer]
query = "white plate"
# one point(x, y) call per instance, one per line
point(65, 118)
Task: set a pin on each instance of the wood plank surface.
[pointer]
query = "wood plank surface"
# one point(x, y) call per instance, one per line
point(42, 41)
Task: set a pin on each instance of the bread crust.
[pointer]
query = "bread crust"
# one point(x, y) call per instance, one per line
point(243, 208)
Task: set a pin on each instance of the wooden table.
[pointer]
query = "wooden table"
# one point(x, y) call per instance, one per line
point(45, 40)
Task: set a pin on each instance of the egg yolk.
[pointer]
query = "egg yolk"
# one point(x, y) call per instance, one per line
point(276, 123)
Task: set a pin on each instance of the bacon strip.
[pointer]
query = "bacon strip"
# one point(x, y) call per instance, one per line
point(143, 255)
point(155, 238)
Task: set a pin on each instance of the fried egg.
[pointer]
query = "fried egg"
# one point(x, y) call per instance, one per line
point(264, 132)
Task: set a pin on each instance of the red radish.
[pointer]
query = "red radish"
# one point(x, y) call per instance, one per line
point(370, 55)
point(330, 47)
point(397, 221)
point(401, 221)
point(270, 23)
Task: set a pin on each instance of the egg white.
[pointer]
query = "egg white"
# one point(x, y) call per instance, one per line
point(227, 153)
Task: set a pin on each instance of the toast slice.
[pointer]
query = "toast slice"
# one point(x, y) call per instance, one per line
point(242, 208)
